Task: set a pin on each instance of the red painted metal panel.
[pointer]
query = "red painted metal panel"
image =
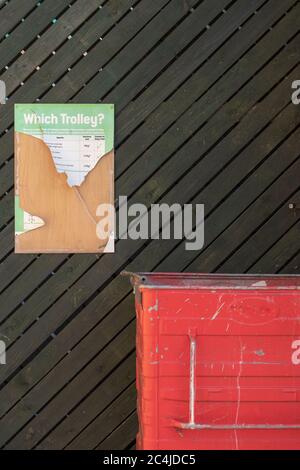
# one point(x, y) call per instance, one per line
point(218, 361)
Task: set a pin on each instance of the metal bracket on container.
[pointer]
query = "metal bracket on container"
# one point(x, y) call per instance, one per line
point(192, 401)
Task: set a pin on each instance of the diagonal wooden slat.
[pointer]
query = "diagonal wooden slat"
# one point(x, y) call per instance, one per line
point(13, 13)
point(27, 31)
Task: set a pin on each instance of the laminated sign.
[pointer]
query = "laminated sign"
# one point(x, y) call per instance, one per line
point(64, 177)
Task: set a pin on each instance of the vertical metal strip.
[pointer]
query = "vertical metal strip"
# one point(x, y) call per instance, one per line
point(192, 380)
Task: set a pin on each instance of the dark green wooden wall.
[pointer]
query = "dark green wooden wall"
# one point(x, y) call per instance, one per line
point(204, 115)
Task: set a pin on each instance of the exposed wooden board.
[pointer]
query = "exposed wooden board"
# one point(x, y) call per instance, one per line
point(12, 267)
point(38, 273)
point(13, 13)
point(186, 64)
point(122, 436)
point(293, 267)
point(28, 30)
point(49, 42)
point(205, 108)
point(101, 53)
point(110, 409)
point(73, 361)
point(157, 59)
point(54, 288)
point(105, 423)
point(6, 244)
point(6, 208)
point(272, 230)
point(257, 212)
point(281, 254)
point(65, 57)
point(75, 391)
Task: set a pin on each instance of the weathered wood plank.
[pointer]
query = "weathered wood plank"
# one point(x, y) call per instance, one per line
point(293, 266)
point(281, 256)
point(157, 60)
point(263, 207)
point(272, 230)
point(72, 363)
point(6, 236)
point(105, 423)
point(6, 208)
point(108, 415)
point(12, 267)
point(184, 66)
point(11, 298)
point(75, 391)
point(27, 31)
point(69, 272)
point(13, 13)
point(57, 65)
point(101, 53)
point(122, 436)
point(48, 42)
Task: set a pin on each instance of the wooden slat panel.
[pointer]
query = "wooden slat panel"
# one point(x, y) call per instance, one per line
point(121, 437)
point(281, 256)
point(107, 418)
point(76, 390)
point(66, 370)
point(57, 65)
point(28, 30)
point(13, 13)
point(118, 411)
point(52, 39)
point(203, 116)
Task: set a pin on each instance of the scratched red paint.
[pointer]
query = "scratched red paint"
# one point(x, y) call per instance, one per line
point(218, 361)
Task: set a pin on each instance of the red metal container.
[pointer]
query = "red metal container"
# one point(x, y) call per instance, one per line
point(218, 361)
